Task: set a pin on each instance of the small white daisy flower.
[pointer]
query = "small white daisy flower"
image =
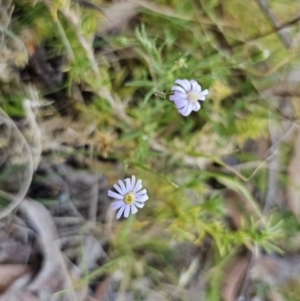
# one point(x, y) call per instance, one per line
point(129, 197)
point(186, 96)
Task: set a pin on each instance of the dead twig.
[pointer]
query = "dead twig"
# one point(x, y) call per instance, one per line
point(272, 196)
point(274, 30)
point(273, 20)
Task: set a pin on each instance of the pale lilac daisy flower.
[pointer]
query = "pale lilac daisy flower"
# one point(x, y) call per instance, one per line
point(129, 197)
point(186, 96)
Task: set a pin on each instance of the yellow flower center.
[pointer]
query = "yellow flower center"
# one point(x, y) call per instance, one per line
point(193, 96)
point(129, 198)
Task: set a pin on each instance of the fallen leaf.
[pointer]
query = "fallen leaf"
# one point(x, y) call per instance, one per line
point(9, 273)
point(104, 291)
point(234, 278)
point(53, 274)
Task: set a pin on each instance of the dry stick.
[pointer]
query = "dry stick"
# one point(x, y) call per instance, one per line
point(103, 92)
point(272, 18)
point(94, 197)
point(272, 185)
point(273, 150)
point(273, 178)
point(94, 200)
point(272, 193)
point(86, 44)
point(275, 30)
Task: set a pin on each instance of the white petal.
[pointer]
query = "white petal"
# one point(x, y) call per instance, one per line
point(195, 86)
point(180, 99)
point(142, 198)
point(115, 195)
point(173, 97)
point(181, 95)
point(183, 107)
point(177, 88)
point(120, 211)
point(116, 205)
point(181, 102)
point(138, 186)
point(144, 191)
point(132, 182)
point(204, 92)
point(183, 83)
point(127, 210)
point(187, 110)
point(122, 186)
point(188, 84)
point(178, 96)
point(190, 109)
point(128, 185)
point(133, 209)
point(140, 205)
point(118, 188)
point(197, 106)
